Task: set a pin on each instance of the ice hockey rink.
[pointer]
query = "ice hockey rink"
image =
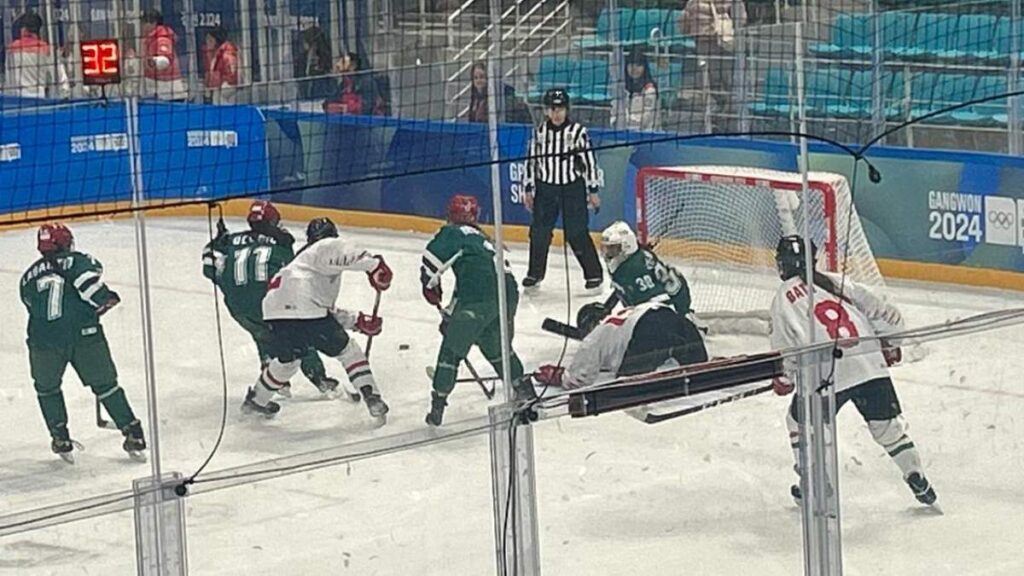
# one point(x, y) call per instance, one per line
point(703, 494)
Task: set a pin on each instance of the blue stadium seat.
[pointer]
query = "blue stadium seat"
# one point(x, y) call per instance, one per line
point(775, 90)
point(934, 34)
point(985, 114)
point(634, 28)
point(1000, 41)
point(554, 72)
point(945, 90)
point(848, 30)
point(591, 76)
point(972, 39)
point(899, 35)
point(827, 91)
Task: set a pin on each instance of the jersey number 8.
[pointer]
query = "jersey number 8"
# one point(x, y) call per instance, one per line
point(835, 319)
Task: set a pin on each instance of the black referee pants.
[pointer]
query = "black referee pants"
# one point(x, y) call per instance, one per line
point(571, 201)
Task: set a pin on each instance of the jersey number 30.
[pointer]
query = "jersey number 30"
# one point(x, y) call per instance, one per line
point(835, 319)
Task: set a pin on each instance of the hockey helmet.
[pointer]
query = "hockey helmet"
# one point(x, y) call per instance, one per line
point(790, 257)
point(618, 242)
point(54, 238)
point(263, 213)
point(463, 209)
point(589, 317)
point(556, 98)
point(320, 228)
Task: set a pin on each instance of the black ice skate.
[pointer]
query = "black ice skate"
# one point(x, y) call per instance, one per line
point(593, 283)
point(62, 445)
point(437, 405)
point(251, 407)
point(531, 282)
point(921, 488)
point(375, 404)
point(327, 386)
point(134, 441)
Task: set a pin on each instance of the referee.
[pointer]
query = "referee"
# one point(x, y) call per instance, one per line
point(561, 176)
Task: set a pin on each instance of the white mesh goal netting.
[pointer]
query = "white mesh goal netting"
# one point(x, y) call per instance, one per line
point(720, 226)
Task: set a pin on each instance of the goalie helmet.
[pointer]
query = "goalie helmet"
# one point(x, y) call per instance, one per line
point(263, 214)
point(790, 257)
point(618, 242)
point(54, 238)
point(463, 209)
point(320, 228)
point(589, 316)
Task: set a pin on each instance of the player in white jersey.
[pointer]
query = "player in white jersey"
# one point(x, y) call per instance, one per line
point(861, 374)
point(300, 309)
point(630, 341)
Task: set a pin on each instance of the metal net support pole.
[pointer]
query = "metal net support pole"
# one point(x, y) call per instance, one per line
point(517, 540)
point(159, 527)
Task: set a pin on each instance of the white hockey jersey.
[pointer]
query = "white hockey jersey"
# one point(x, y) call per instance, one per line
point(604, 349)
point(860, 313)
point(308, 286)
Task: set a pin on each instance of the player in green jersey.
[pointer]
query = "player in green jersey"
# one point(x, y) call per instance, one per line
point(65, 297)
point(638, 275)
point(241, 264)
point(473, 316)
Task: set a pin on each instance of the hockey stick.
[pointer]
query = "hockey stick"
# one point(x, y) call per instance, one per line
point(656, 418)
point(561, 329)
point(489, 392)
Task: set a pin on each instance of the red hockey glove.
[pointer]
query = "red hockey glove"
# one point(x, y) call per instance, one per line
point(549, 375)
point(893, 354)
point(380, 277)
point(112, 300)
point(432, 295)
point(782, 386)
point(369, 325)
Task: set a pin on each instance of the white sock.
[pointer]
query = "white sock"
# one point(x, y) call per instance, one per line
point(274, 377)
point(357, 367)
point(891, 435)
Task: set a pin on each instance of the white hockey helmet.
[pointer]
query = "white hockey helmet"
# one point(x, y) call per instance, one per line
point(618, 242)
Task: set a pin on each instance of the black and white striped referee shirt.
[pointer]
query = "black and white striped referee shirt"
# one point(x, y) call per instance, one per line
point(561, 155)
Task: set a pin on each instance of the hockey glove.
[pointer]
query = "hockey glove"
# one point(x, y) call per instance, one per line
point(369, 325)
point(380, 277)
point(893, 354)
point(782, 386)
point(549, 375)
point(112, 300)
point(432, 295)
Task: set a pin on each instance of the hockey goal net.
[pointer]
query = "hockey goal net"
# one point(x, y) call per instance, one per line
point(721, 224)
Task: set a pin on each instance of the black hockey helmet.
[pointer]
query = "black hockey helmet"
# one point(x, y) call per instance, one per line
point(556, 98)
point(589, 316)
point(790, 257)
point(320, 228)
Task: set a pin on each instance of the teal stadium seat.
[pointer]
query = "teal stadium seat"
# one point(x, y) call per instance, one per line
point(848, 31)
point(827, 91)
point(634, 28)
point(554, 72)
point(936, 91)
point(935, 34)
point(775, 94)
point(591, 76)
point(985, 114)
point(1000, 42)
point(899, 33)
point(972, 39)
point(669, 79)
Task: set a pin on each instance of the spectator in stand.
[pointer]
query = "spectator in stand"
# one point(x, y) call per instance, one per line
point(516, 111)
point(315, 64)
point(713, 24)
point(30, 66)
point(221, 58)
point(639, 108)
point(356, 92)
point(161, 73)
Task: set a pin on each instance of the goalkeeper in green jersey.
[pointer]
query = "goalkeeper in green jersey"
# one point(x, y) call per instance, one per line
point(65, 297)
point(473, 316)
point(241, 265)
point(638, 275)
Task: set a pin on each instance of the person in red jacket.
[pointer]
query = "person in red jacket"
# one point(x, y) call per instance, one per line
point(221, 58)
point(161, 74)
point(30, 68)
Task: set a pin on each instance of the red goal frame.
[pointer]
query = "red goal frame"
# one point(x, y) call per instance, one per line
point(688, 173)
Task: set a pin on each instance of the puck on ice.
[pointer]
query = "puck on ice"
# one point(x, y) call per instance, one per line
point(403, 346)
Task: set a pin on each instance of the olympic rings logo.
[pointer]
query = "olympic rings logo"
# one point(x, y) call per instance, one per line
point(1001, 219)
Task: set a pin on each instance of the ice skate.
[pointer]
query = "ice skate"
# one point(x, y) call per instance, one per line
point(922, 489)
point(249, 406)
point(327, 386)
point(65, 447)
point(375, 404)
point(437, 405)
point(286, 390)
point(134, 441)
point(593, 283)
point(531, 283)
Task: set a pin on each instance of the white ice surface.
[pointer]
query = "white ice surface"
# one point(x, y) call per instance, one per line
point(705, 494)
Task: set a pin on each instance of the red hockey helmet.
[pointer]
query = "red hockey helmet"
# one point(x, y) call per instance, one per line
point(463, 209)
point(54, 238)
point(263, 211)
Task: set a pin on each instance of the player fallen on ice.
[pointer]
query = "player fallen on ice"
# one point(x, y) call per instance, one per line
point(844, 310)
point(241, 265)
point(472, 317)
point(633, 340)
point(300, 308)
point(65, 297)
point(638, 275)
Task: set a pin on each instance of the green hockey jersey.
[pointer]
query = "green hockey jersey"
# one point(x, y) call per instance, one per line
point(62, 295)
point(469, 253)
point(241, 265)
point(643, 277)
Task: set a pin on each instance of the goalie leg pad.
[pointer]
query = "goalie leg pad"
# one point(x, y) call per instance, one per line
point(357, 366)
point(891, 435)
